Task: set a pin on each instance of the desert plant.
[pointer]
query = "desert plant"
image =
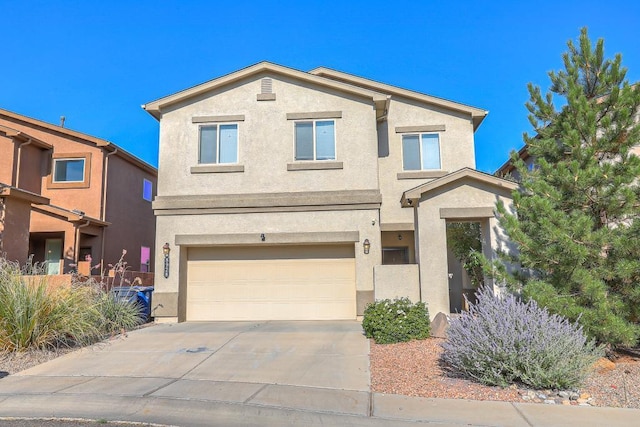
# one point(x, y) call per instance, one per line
point(34, 314)
point(501, 341)
point(390, 321)
point(116, 315)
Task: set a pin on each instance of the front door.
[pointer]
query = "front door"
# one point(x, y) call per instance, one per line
point(52, 254)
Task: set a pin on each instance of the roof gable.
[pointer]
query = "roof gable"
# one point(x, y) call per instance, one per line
point(155, 107)
point(477, 114)
point(410, 197)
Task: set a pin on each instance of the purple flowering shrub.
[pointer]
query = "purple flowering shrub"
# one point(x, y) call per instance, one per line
point(501, 341)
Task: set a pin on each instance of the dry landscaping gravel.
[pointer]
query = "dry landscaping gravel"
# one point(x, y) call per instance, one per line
point(414, 369)
point(11, 363)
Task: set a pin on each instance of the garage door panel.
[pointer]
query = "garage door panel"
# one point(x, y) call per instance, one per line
point(271, 289)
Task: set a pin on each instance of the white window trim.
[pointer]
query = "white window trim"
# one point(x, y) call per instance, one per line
point(144, 181)
point(217, 126)
point(62, 159)
point(419, 135)
point(315, 155)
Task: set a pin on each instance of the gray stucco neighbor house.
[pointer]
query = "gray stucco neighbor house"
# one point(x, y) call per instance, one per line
point(286, 194)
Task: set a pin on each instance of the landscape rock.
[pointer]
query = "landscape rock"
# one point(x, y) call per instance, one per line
point(439, 325)
point(604, 365)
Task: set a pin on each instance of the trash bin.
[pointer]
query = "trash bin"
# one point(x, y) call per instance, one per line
point(140, 295)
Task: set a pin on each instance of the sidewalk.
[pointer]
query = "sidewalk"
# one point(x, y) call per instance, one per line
point(211, 403)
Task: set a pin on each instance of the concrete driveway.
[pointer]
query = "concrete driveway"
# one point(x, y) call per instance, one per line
point(306, 366)
point(310, 354)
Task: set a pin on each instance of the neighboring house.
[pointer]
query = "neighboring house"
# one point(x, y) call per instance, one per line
point(508, 169)
point(66, 196)
point(284, 194)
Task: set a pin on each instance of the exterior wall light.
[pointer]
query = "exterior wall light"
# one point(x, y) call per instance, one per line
point(366, 245)
point(166, 249)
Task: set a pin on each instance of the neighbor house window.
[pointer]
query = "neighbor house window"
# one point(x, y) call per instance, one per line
point(147, 189)
point(68, 170)
point(421, 151)
point(315, 140)
point(218, 144)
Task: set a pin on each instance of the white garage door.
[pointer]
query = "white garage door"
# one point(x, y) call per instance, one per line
point(271, 283)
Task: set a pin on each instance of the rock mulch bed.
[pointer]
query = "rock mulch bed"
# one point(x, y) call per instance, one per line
point(414, 369)
point(11, 363)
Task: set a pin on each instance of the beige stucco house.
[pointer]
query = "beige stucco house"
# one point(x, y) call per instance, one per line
point(285, 194)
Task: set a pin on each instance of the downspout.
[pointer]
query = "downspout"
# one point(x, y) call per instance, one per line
point(103, 207)
point(17, 183)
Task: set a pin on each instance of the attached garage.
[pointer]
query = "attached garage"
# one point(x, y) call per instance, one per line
point(286, 282)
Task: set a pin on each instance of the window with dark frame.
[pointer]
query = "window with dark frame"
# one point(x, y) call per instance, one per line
point(68, 170)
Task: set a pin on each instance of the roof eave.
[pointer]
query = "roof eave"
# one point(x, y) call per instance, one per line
point(155, 107)
point(18, 193)
point(417, 192)
point(477, 114)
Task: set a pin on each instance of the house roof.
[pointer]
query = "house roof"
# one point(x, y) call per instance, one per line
point(107, 145)
point(508, 166)
point(410, 197)
point(155, 107)
point(7, 190)
point(21, 136)
point(477, 114)
point(70, 215)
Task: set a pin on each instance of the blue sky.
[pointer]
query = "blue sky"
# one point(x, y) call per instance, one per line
point(97, 62)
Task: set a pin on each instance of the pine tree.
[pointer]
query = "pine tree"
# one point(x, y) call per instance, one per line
point(578, 210)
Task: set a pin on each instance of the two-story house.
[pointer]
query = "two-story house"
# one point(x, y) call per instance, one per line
point(66, 196)
point(285, 194)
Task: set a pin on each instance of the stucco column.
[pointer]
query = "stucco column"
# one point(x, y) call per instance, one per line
point(165, 295)
point(434, 279)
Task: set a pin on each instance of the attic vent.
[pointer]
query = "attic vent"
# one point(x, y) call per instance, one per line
point(267, 86)
point(266, 90)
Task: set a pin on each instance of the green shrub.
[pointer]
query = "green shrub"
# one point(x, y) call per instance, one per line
point(34, 314)
point(116, 315)
point(501, 341)
point(399, 320)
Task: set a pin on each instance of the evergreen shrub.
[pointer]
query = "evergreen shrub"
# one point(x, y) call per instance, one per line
point(502, 341)
point(391, 321)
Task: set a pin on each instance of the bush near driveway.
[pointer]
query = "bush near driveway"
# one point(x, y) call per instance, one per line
point(35, 314)
point(502, 341)
point(391, 321)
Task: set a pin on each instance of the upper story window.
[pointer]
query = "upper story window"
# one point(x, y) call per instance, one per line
point(218, 144)
point(421, 151)
point(315, 140)
point(147, 190)
point(68, 170)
